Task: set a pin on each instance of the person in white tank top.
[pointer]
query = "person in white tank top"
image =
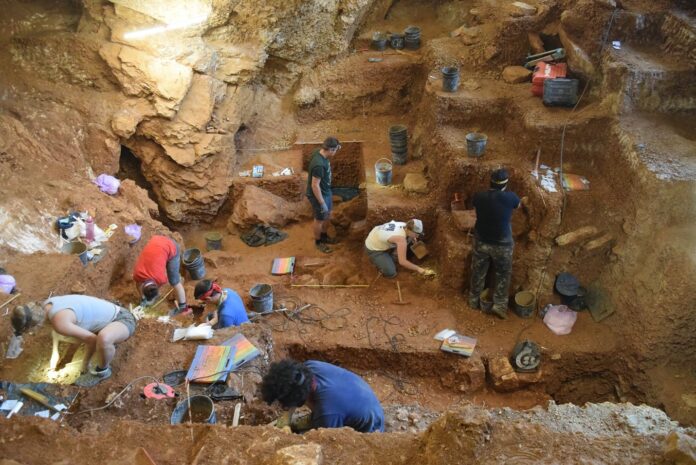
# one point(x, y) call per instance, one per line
point(394, 235)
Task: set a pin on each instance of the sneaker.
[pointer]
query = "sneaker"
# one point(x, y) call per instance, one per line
point(179, 312)
point(92, 378)
point(324, 247)
point(499, 312)
point(103, 374)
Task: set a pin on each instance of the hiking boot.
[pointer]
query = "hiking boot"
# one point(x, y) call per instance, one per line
point(474, 304)
point(499, 312)
point(324, 247)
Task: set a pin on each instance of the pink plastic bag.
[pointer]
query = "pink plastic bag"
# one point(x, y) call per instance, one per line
point(560, 319)
point(133, 231)
point(7, 283)
point(107, 184)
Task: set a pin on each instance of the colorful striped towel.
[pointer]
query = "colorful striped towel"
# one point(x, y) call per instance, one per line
point(211, 364)
point(244, 350)
point(283, 265)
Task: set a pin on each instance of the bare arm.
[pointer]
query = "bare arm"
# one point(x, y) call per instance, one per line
point(64, 322)
point(401, 254)
point(316, 190)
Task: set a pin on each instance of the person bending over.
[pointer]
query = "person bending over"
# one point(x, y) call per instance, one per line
point(336, 396)
point(98, 323)
point(319, 191)
point(382, 241)
point(230, 309)
point(158, 264)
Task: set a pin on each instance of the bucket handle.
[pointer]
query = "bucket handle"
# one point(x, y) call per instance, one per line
point(385, 159)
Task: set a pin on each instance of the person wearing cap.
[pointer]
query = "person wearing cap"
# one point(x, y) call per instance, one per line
point(319, 191)
point(97, 323)
point(230, 310)
point(337, 397)
point(158, 264)
point(493, 241)
point(382, 241)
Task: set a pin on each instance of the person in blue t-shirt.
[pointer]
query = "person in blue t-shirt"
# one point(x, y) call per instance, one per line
point(493, 241)
point(336, 396)
point(230, 308)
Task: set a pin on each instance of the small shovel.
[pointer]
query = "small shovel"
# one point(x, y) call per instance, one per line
point(401, 300)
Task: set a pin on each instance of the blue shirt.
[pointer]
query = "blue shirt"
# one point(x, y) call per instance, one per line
point(231, 312)
point(493, 213)
point(342, 398)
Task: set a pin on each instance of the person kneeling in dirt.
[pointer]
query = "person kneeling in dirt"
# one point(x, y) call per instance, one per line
point(230, 308)
point(493, 241)
point(336, 396)
point(382, 240)
point(158, 263)
point(98, 323)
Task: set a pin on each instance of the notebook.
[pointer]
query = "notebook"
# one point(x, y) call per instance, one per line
point(211, 364)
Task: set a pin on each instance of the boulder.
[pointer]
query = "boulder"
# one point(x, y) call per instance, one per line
point(575, 236)
point(197, 106)
point(680, 449)
point(300, 454)
point(516, 74)
point(502, 375)
point(258, 206)
point(416, 182)
point(519, 9)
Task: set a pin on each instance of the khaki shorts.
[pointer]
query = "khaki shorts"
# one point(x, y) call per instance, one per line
point(125, 317)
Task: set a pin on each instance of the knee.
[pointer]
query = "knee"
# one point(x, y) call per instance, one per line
point(103, 341)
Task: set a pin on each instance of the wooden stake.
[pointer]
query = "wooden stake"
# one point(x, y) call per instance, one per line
point(11, 299)
point(329, 285)
point(237, 411)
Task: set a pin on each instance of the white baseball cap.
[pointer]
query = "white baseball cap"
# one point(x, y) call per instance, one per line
point(417, 226)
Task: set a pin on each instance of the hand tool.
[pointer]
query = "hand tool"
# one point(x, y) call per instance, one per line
point(40, 398)
point(401, 300)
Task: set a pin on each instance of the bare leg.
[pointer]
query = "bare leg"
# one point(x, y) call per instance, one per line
point(112, 334)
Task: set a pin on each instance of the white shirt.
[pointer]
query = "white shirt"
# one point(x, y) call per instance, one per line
point(378, 239)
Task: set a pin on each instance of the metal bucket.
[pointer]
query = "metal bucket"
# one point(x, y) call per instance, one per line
point(412, 37)
point(524, 304)
point(383, 172)
point(213, 241)
point(262, 298)
point(201, 407)
point(396, 41)
point(476, 144)
point(379, 41)
point(193, 262)
point(76, 248)
point(450, 78)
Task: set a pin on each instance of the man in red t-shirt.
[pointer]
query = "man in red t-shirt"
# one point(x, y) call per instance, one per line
point(158, 264)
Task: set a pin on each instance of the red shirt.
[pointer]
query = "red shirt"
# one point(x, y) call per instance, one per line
point(152, 262)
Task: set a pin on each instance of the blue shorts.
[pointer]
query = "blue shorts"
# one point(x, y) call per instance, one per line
point(316, 206)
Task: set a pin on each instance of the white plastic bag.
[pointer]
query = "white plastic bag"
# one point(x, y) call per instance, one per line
point(560, 319)
point(193, 333)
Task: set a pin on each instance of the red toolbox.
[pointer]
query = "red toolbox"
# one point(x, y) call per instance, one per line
point(544, 71)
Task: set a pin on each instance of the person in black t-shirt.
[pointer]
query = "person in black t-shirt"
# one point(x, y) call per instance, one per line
point(493, 241)
point(319, 191)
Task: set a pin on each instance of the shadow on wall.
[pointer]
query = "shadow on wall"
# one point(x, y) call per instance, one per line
point(348, 168)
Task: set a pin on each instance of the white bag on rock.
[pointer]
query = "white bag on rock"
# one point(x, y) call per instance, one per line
point(560, 319)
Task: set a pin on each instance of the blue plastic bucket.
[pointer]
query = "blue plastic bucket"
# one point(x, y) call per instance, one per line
point(450, 78)
point(193, 262)
point(383, 171)
point(201, 407)
point(262, 298)
point(213, 241)
point(476, 144)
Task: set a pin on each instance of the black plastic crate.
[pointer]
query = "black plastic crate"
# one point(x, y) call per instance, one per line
point(560, 92)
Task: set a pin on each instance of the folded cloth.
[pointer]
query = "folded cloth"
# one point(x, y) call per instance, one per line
point(263, 235)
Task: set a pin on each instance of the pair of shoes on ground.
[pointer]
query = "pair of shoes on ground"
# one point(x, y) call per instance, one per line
point(499, 312)
point(93, 377)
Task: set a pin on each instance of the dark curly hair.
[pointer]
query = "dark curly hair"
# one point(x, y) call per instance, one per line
point(289, 382)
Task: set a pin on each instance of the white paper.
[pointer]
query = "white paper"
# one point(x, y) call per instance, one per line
point(8, 404)
point(55, 416)
point(16, 408)
point(444, 334)
point(60, 407)
point(43, 414)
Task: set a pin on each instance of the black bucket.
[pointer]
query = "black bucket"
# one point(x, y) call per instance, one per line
point(450, 78)
point(524, 304)
point(262, 298)
point(213, 241)
point(193, 262)
point(396, 41)
point(379, 41)
point(201, 407)
point(398, 139)
point(412, 37)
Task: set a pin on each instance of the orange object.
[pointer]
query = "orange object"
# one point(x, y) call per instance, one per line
point(152, 262)
point(544, 71)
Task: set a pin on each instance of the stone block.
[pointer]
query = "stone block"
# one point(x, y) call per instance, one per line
point(680, 449)
point(258, 206)
point(416, 182)
point(301, 454)
point(502, 376)
point(516, 74)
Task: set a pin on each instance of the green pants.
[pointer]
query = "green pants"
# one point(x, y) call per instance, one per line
point(501, 257)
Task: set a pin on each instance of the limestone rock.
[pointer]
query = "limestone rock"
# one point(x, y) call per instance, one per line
point(578, 60)
point(197, 106)
point(464, 220)
point(535, 43)
point(680, 449)
point(575, 236)
point(598, 243)
point(125, 121)
point(519, 9)
point(306, 96)
point(502, 375)
point(416, 182)
point(258, 206)
point(78, 288)
point(300, 454)
point(516, 74)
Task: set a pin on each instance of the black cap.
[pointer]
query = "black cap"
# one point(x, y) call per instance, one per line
point(500, 176)
point(330, 143)
point(567, 284)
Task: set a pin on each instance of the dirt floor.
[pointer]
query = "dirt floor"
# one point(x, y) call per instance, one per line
point(265, 87)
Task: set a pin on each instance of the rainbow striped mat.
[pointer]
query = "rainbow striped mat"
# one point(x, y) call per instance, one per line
point(575, 182)
point(243, 350)
point(211, 364)
point(283, 265)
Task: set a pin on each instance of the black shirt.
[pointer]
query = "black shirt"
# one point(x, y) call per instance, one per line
point(319, 167)
point(493, 213)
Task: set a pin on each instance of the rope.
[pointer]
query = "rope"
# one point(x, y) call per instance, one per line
point(116, 396)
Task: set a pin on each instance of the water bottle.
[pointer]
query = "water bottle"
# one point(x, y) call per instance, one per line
point(89, 236)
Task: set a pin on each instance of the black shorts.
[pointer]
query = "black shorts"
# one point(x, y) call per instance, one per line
point(316, 207)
